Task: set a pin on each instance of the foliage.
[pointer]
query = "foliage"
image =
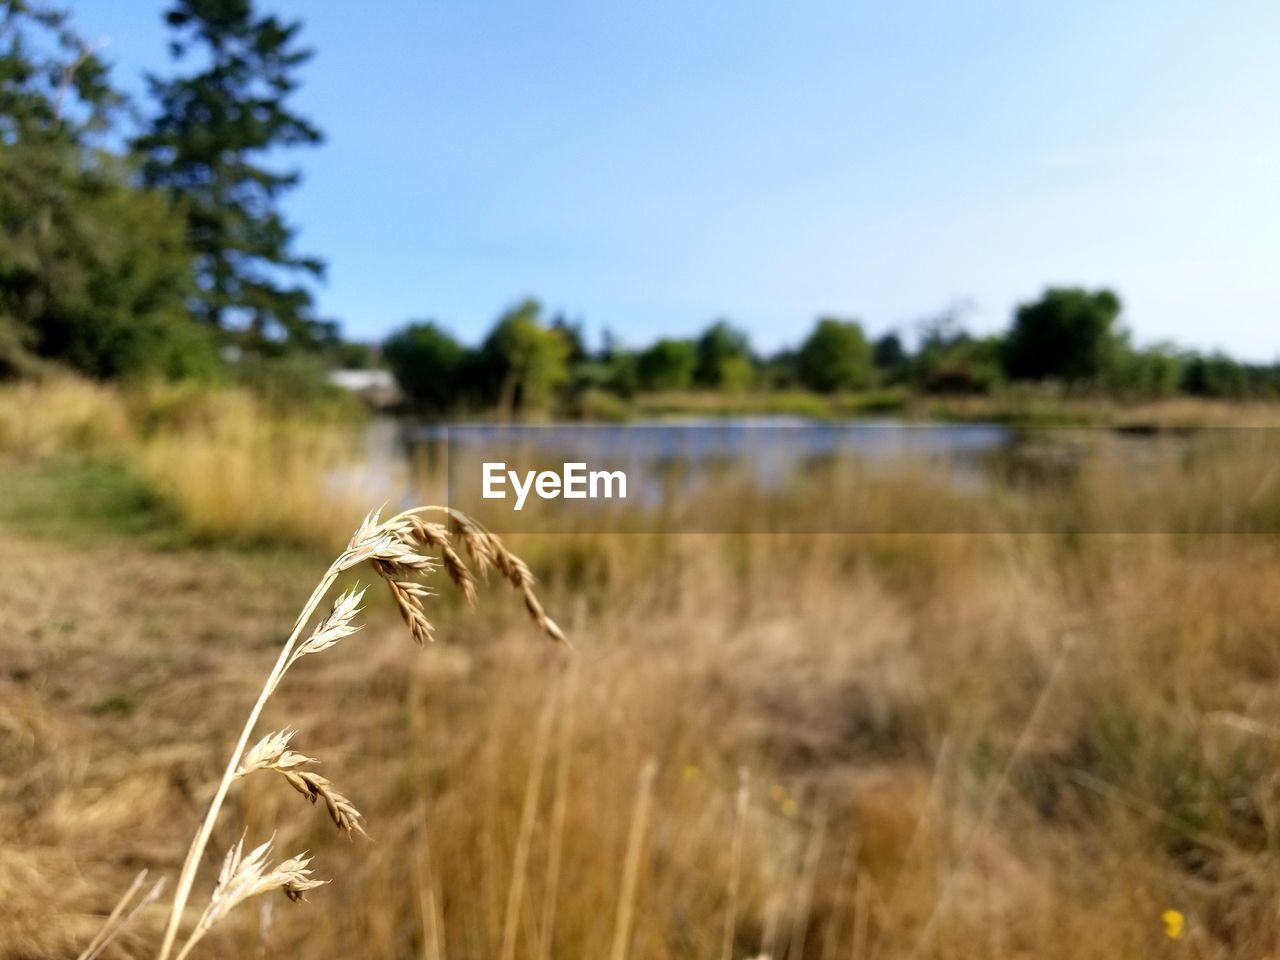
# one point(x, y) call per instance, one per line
point(523, 363)
point(1156, 371)
point(205, 147)
point(295, 382)
point(93, 273)
point(1217, 375)
point(724, 359)
point(890, 358)
point(524, 358)
point(429, 364)
point(571, 331)
point(967, 365)
point(836, 356)
point(1068, 334)
point(667, 365)
point(951, 360)
point(354, 355)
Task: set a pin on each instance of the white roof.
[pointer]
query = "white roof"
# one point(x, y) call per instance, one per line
point(358, 381)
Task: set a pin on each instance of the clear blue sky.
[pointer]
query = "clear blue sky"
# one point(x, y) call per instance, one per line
point(651, 165)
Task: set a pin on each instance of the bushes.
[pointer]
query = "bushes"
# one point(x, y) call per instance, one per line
point(836, 356)
point(1068, 334)
point(667, 365)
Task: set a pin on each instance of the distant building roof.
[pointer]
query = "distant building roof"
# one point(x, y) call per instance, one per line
point(378, 387)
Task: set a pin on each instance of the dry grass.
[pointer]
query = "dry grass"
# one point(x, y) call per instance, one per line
point(938, 727)
point(51, 417)
point(1001, 745)
point(397, 549)
point(223, 463)
point(231, 470)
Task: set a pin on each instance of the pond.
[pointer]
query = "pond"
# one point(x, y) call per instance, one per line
point(798, 475)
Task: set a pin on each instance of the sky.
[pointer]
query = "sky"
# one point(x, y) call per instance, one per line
point(651, 165)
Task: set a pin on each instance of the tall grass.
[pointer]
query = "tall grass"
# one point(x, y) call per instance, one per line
point(234, 471)
point(63, 415)
point(1005, 744)
point(226, 464)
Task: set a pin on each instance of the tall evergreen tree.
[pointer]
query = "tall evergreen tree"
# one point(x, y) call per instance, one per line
point(206, 147)
point(92, 271)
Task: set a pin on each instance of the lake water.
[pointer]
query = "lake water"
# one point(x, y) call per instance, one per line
point(686, 471)
point(779, 465)
point(766, 447)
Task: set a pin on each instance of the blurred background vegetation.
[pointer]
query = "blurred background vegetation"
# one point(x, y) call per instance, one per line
point(144, 240)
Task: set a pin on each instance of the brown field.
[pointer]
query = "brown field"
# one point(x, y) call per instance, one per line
point(833, 746)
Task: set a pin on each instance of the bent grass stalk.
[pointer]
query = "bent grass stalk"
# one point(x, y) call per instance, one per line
point(115, 922)
point(398, 551)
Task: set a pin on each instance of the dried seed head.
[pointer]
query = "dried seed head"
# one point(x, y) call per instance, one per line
point(398, 547)
point(366, 531)
point(408, 596)
point(486, 550)
point(342, 811)
point(272, 753)
point(333, 628)
point(475, 541)
point(436, 536)
point(294, 877)
point(246, 875)
point(544, 622)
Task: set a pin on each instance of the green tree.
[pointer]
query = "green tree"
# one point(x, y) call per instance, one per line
point(572, 332)
point(890, 358)
point(354, 355)
point(1068, 334)
point(206, 147)
point(1215, 375)
point(779, 370)
point(1155, 371)
point(949, 359)
point(666, 365)
point(966, 364)
point(93, 273)
point(429, 364)
point(835, 356)
point(522, 362)
point(724, 359)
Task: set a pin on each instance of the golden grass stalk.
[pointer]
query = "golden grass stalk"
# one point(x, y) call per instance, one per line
point(631, 866)
point(272, 753)
point(805, 883)
point(842, 896)
point(528, 817)
point(559, 813)
point(740, 807)
point(861, 916)
point(398, 549)
point(429, 906)
point(243, 877)
point(117, 920)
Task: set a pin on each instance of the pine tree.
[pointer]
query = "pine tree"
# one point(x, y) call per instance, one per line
point(93, 273)
point(205, 147)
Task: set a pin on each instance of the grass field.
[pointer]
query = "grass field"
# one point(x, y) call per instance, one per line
point(891, 746)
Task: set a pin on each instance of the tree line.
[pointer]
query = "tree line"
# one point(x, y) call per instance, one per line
point(145, 239)
point(1067, 336)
